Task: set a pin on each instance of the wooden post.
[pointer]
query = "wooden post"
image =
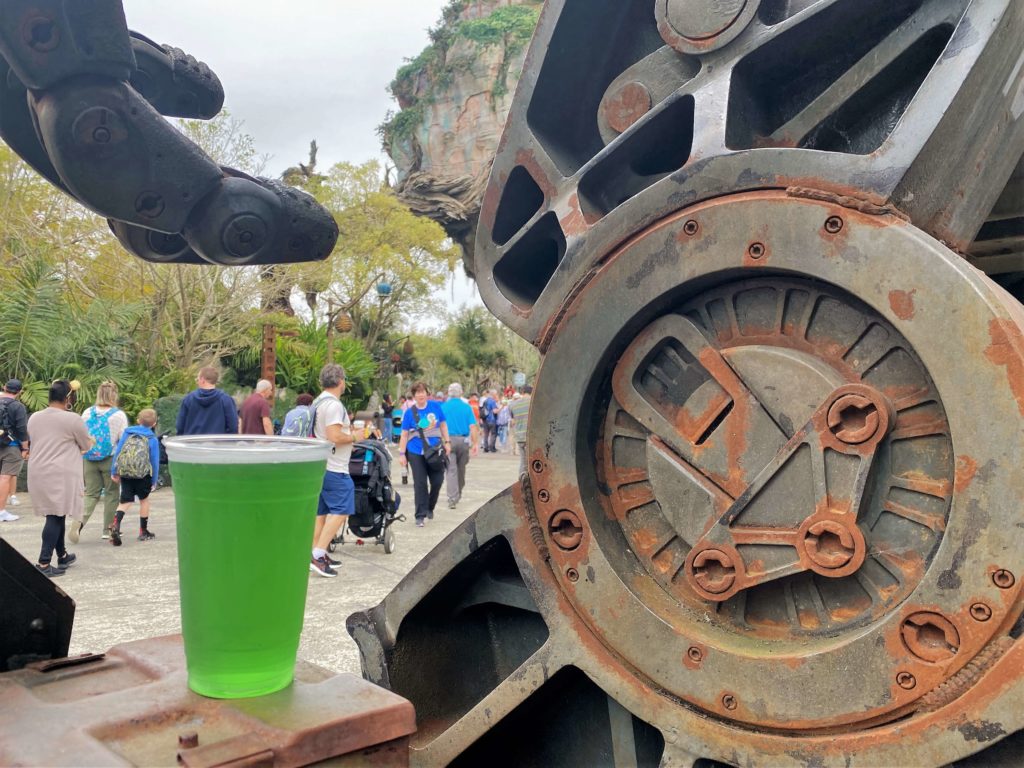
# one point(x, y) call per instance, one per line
point(330, 331)
point(268, 362)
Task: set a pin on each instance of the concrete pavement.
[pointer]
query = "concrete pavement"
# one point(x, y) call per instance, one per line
point(131, 592)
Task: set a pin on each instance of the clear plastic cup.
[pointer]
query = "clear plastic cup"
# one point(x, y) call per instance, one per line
point(246, 507)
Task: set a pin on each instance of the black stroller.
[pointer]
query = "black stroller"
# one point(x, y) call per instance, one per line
point(376, 501)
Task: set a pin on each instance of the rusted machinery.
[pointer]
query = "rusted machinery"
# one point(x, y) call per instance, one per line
point(772, 513)
point(772, 507)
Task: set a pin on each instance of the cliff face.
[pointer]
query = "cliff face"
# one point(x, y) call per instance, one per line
point(454, 98)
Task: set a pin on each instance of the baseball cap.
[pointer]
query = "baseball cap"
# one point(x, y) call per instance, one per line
point(13, 386)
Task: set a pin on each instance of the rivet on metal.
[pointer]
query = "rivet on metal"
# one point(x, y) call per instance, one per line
point(729, 701)
point(543, 494)
point(537, 465)
point(1003, 579)
point(833, 225)
point(691, 227)
point(572, 575)
point(188, 740)
point(694, 653)
point(756, 250)
point(906, 680)
point(981, 612)
point(40, 34)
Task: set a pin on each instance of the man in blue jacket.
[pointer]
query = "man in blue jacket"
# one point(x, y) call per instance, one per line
point(207, 410)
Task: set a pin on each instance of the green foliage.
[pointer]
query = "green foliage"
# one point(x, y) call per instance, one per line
point(167, 412)
point(300, 358)
point(509, 25)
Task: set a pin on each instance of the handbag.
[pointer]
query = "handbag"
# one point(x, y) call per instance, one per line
point(435, 455)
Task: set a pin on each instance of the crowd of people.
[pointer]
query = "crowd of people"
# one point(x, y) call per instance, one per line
point(76, 461)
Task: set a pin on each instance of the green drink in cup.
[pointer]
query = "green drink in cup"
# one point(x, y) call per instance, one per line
point(246, 508)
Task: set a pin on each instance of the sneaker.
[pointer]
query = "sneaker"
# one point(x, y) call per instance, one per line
point(332, 562)
point(419, 522)
point(430, 515)
point(7, 517)
point(146, 535)
point(13, 501)
point(49, 570)
point(452, 504)
point(75, 532)
point(68, 559)
point(105, 535)
point(115, 537)
point(322, 568)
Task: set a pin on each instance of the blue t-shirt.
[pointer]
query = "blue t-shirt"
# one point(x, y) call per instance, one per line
point(431, 417)
point(459, 416)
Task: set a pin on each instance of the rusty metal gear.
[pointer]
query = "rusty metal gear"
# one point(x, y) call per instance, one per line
point(773, 447)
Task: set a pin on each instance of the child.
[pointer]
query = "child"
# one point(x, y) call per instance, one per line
point(136, 466)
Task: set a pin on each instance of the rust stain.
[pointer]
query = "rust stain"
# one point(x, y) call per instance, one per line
point(902, 303)
point(966, 469)
point(1007, 351)
point(574, 223)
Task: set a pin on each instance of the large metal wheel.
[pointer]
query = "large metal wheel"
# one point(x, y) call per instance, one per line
point(774, 451)
point(764, 522)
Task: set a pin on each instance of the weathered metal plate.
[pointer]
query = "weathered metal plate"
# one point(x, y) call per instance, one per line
point(132, 706)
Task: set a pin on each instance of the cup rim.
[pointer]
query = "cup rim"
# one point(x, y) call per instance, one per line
point(245, 449)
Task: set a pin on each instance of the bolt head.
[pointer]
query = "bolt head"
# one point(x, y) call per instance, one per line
point(756, 250)
point(694, 654)
point(906, 681)
point(729, 701)
point(981, 612)
point(833, 225)
point(572, 575)
point(1003, 579)
point(691, 227)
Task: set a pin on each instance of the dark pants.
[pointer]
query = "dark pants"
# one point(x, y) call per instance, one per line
point(53, 538)
point(490, 437)
point(425, 500)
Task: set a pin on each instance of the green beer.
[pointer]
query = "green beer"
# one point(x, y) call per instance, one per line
point(246, 507)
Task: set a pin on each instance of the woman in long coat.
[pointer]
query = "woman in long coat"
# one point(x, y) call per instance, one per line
point(58, 437)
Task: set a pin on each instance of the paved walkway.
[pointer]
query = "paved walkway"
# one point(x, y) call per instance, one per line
point(131, 592)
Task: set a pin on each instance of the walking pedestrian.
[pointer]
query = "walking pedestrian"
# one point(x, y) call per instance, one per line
point(465, 436)
point(13, 445)
point(489, 420)
point(520, 409)
point(424, 441)
point(136, 466)
point(338, 492)
point(58, 439)
point(255, 411)
point(207, 410)
point(106, 423)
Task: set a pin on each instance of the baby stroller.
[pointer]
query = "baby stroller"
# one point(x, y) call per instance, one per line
point(376, 501)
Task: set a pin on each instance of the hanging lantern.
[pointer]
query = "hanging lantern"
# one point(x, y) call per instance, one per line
point(407, 349)
point(383, 289)
point(343, 322)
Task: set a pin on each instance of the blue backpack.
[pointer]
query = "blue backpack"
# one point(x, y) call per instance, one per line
point(298, 422)
point(98, 425)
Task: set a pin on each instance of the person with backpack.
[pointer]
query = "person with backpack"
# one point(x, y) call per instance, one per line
point(106, 423)
point(13, 445)
point(489, 417)
point(136, 466)
point(298, 422)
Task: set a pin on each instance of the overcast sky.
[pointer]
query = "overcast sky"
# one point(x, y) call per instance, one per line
point(297, 70)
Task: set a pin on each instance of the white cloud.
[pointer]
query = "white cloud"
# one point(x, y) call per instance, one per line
point(300, 69)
